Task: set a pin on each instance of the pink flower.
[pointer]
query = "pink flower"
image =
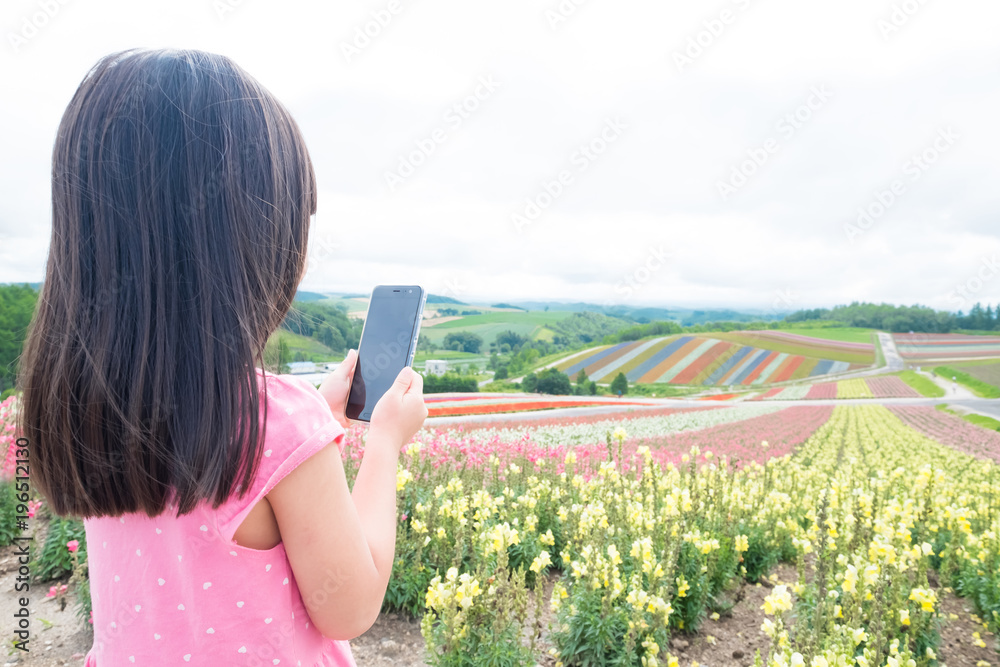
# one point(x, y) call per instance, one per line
point(91, 619)
point(73, 545)
point(53, 591)
point(33, 506)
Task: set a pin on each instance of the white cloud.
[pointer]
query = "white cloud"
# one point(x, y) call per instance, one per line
point(448, 226)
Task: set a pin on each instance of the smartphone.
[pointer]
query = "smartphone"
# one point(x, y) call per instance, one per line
point(388, 343)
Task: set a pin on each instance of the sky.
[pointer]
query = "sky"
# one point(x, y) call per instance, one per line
point(756, 154)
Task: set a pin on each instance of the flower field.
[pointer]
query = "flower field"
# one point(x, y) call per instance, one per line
point(946, 347)
point(823, 390)
point(952, 431)
point(891, 387)
point(886, 386)
point(624, 531)
point(644, 535)
point(642, 424)
point(471, 406)
point(856, 388)
point(743, 358)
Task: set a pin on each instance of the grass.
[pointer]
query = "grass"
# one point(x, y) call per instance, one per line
point(962, 363)
point(879, 354)
point(662, 390)
point(977, 386)
point(983, 420)
point(841, 334)
point(311, 348)
point(973, 418)
point(488, 325)
point(988, 373)
point(924, 385)
point(451, 355)
point(502, 386)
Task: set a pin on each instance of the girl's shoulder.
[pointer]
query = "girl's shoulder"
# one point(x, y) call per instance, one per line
point(298, 423)
point(295, 407)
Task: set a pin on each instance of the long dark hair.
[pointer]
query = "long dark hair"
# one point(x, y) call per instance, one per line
point(182, 193)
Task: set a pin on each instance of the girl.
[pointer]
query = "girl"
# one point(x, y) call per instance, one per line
point(220, 528)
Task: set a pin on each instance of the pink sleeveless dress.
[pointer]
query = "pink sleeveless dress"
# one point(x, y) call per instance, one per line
point(178, 591)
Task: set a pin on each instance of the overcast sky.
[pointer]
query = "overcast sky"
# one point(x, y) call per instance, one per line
point(626, 151)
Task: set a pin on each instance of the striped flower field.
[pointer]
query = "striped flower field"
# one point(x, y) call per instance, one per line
point(946, 347)
point(700, 360)
point(886, 386)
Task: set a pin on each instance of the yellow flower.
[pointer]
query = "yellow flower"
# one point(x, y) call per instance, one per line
point(850, 579)
point(904, 616)
point(542, 561)
point(778, 601)
point(403, 476)
point(682, 586)
point(742, 543)
point(926, 597)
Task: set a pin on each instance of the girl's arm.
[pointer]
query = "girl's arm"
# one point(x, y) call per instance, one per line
point(341, 544)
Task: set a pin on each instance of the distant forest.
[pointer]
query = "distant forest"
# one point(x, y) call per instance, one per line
point(331, 326)
point(902, 319)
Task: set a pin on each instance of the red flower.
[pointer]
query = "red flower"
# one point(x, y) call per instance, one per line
point(73, 545)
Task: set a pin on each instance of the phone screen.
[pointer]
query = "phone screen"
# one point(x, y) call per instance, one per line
point(388, 343)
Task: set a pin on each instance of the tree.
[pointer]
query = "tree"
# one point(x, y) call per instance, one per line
point(17, 305)
point(463, 341)
point(529, 383)
point(436, 384)
point(501, 373)
point(510, 338)
point(620, 384)
point(553, 381)
point(283, 355)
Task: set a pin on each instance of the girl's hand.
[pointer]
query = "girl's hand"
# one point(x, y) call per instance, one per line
point(401, 411)
point(337, 385)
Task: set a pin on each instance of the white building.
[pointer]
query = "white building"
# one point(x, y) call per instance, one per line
point(301, 367)
point(436, 366)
